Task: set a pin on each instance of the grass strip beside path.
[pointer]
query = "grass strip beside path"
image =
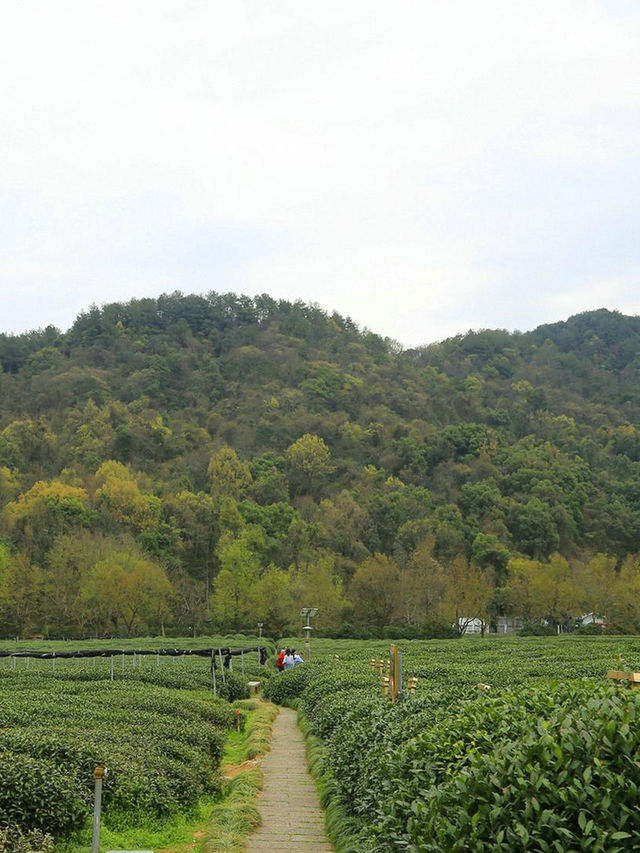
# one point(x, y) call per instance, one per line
point(235, 815)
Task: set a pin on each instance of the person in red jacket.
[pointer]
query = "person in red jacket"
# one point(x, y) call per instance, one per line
point(280, 661)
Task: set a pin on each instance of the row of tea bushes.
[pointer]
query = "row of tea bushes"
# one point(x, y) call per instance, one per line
point(541, 765)
point(162, 748)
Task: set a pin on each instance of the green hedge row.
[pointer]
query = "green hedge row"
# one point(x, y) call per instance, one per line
point(162, 747)
point(549, 766)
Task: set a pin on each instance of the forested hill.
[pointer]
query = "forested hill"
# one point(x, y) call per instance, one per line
point(211, 439)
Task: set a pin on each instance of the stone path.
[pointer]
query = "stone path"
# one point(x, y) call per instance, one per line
point(292, 819)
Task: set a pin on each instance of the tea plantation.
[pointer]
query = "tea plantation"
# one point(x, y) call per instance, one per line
point(546, 758)
point(156, 725)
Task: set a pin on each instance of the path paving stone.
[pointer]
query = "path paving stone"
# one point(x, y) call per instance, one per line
point(292, 818)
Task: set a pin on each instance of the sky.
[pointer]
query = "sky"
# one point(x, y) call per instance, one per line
point(423, 167)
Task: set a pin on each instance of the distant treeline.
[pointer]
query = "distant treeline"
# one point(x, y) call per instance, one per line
point(194, 463)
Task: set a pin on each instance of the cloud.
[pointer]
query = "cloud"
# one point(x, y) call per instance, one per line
point(424, 167)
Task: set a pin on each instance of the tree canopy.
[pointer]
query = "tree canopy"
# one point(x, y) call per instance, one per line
point(240, 449)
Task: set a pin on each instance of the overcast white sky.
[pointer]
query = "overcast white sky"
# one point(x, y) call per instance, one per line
point(425, 167)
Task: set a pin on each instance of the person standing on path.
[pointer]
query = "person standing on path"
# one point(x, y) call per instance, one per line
point(288, 659)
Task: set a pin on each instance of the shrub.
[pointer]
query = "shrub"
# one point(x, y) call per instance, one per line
point(233, 687)
point(15, 840)
point(287, 686)
point(536, 629)
point(36, 794)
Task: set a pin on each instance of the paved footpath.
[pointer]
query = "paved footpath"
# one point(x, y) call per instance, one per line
point(292, 819)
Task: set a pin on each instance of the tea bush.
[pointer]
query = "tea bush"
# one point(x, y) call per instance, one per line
point(15, 840)
point(548, 771)
point(162, 747)
point(544, 760)
point(284, 687)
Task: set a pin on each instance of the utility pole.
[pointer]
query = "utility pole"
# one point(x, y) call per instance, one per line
point(307, 614)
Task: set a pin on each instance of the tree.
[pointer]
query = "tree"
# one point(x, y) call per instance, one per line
point(9, 486)
point(21, 596)
point(229, 476)
point(467, 595)
point(274, 601)
point(533, 528)
point(421, 585)
point(345, 523)
point(233, 603)
point(126, 589)
point(624, 616)
point(45, 511)
point(196, 517)
point(489, 552)
point(191, 603)
point(375, 592)
point(599, 583)
point(309, 461)
point(68, 561)
point(317, 584)
point(544, 591)
point(121, 501)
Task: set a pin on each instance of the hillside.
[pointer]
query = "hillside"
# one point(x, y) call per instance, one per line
point(273, 455)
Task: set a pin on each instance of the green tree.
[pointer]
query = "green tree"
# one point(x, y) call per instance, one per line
point(534, 529)
point(233, 603)
point(421, 585)
point(467, 595)
point(375, 592)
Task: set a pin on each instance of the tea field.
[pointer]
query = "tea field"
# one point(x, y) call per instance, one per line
point(508, 744)
point(152, 720)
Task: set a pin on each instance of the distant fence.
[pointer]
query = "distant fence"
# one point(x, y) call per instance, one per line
point(221, 655)
point(221, 652)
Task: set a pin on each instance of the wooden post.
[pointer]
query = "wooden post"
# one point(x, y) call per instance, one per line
point(395, 673)
point(392, 672)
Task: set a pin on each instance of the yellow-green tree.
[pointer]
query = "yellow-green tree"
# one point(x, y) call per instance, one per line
point(544, 591)
point(126, 590)
point(120, 500)
point(309, 462)
point(317, 584)
point(9, 486)
point(274, 604)
point(421, 584)
point(598, 582)
point(228, 475)
point(624, 611)
point(233, 603)
point(45, 511)
point(21, 596)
